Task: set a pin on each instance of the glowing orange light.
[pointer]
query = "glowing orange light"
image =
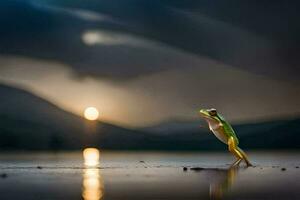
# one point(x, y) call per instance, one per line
point(91, 157)
point(92, 185)
point(91, 113)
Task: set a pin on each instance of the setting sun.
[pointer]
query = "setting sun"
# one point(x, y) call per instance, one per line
point(91, 113)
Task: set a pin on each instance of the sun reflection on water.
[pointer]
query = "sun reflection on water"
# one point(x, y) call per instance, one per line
point(91, 157)
point(92, 185)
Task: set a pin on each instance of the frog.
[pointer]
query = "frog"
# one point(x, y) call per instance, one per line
point(225, 133)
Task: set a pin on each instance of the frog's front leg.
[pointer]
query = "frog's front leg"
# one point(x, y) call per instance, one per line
point(215, 127)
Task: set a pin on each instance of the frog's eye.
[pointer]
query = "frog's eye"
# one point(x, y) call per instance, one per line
point(213, 112)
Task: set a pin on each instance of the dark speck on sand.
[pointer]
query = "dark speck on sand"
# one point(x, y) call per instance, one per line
point(283, 169)
point(196, 168)
point(39, 167)
point(185, 168)
point(3, 175)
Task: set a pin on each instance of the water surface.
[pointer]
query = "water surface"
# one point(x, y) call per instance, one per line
point(148, 175)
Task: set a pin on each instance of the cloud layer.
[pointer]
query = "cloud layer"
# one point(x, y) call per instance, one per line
point(150, 99)
point(241, 36)
point(145, 62)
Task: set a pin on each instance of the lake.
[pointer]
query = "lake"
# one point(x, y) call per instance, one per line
point(109, 175)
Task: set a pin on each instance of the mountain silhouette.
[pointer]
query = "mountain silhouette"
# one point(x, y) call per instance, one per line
point(273, 134)
point(28, 122)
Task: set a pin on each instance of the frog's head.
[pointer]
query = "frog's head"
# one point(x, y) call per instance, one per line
point(209, 114)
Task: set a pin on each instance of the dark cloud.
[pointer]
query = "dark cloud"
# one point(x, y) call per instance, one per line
point(172, 57)
point(259, 37)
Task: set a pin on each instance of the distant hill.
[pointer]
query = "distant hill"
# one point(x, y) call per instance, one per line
point(28, 122)
point(277, 134)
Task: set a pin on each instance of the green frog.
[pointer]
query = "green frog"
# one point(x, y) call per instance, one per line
point(224, 132)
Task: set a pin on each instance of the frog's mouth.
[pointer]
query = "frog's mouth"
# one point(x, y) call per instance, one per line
point(206, 116)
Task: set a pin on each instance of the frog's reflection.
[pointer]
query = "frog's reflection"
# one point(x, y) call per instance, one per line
point(92, 185)
point(220, 181)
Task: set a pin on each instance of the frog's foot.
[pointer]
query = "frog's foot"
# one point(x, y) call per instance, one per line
point(248, 163)
point(236, 163)
point(245, 157)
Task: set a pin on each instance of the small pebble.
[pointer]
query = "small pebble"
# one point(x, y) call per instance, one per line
point(141, 161)
point(283, 169)
point(185, 168)
point(39, 167)
point(3, 175)
point(297, 166)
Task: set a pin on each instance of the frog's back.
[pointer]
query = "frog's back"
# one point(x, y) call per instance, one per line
point(228, 130)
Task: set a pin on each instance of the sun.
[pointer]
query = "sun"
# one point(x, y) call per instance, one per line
point(91, 113)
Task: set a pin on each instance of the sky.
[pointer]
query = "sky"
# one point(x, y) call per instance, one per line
point(142, 63)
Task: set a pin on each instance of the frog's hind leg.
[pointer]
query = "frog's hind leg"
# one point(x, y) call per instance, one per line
point(237, 152)
point(233, 149)
point(245, 157)
point(236, 163)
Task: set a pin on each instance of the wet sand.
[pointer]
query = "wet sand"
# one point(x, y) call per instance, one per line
point(152, 175)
